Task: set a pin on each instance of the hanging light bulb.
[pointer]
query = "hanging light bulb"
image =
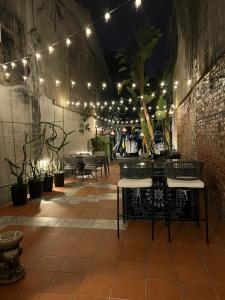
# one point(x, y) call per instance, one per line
point(113, 102)
point(85, 104)
point(5, 67)
point(164, 91)
point(138, 3)
point(133, 85)
point(7, 75)
point(126, 108)
point(104, 85)
point(13, 65)
point(88, 32)
point(24, 78)
point(134, 108)
point(73, 83)
point(77, 103)
point(68, 42)
point(24, 62)
point(107, 16)
point(67, 102)
point(121, 101)
point(130, 100)
point(98, 103)
point(105, 103)
point(110, 108)
point(38, 56)
point(50, 49)
point(89, 85)
point(189, 82)
point(162, 84)
point(118, 108)
point(41, 80)
point(149, 107)
point(136, 121)
point(119, 85)
point(176, 82)
point(57, 82)
point(153, 95)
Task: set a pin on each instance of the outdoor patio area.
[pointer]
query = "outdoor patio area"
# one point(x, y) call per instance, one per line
point(71, 250)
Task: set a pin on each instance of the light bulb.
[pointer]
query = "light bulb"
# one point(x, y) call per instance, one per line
point(107, 16)
point(189, 82)
point(24, 78)
point(164, 91)
point(73, 83)
point(176, 82)
point(5, 67)
point(130, 100)
point(57, 82)
point(138, 3)
point(134, 85)
point(7, 75)
point(85, 104)
point(38, 56)
point(13, 65)
point(105, 103)
point(77, 103)
point(98, 103)
point(24, 61)
point(121, 101)
point(50, 49)
point(41, 80)
point(89, 85)
point(162, 84)
point(134, 108)
point(88, 32)
point(126, 108)
point(113, 102)
point(153, 95)
point(119, 85)
point(104, 85)
point(68, 42)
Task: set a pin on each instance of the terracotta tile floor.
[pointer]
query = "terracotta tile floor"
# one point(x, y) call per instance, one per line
point(71, 252)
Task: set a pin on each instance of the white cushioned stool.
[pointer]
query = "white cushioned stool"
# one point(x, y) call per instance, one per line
point(186, 175)
point(134, 175)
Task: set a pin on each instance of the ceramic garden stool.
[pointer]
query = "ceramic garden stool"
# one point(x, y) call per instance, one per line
point(11, 270)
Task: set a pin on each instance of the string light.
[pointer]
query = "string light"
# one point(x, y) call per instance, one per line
point(107, 16)
point(162, 84)
point(7, 75)
point(24, 78)
point(68, 42)
point(134, 85)
point(77, 103)
point(164, 91)
point(138, 3)
point(130, 100)
point(119, 85)
point(5, 67)
point(88, 32)
point(153, 95)
point(57, 82)
point(113, 102)
point(50, 49)
point(41, 80)
point(121, 101)
point(24, 62)
point(105, 103)
point(98, 103)
point(38, 56)
point(13, 65)
point(89, 85)
point(189, 82)
point(104, 85)
point(73, 83)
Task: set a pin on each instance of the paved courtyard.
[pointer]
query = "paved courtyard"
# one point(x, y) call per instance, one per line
point(71, 251)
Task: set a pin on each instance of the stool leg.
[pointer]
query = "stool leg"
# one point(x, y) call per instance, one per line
point(206, 217)
point(124, 207)
point(118, 213)
point(153, 213)
point(168, 214)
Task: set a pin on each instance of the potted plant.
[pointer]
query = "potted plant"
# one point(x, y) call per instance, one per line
point(55, 150)
point(19, 189)
point(35, 183)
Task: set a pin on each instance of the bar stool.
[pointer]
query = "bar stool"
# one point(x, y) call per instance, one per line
point(134, 175)
point(186, 176)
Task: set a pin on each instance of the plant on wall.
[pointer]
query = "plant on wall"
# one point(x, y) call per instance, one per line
point(85, 114)
point(133, 68)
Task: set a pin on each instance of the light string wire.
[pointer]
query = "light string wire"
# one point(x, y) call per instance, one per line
point(70, 35)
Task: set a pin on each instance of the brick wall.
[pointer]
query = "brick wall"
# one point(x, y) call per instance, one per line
point(201, 131)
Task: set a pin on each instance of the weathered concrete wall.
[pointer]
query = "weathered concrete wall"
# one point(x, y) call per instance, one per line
point(24, 105)
point(200, 117)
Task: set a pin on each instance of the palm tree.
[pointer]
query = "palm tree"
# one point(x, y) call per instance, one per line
point(133, 68)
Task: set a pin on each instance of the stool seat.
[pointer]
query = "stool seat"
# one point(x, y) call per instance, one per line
point(135, 183)
point(193, 184)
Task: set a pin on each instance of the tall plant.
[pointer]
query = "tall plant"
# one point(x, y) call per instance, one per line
point(133, 68)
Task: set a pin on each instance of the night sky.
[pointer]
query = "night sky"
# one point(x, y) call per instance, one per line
point(115, 34)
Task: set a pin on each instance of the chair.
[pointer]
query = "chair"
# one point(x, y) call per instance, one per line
point(104, 159)
point(74, 164)
point(187, 176)
point(134, 175)
point(91, 163)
